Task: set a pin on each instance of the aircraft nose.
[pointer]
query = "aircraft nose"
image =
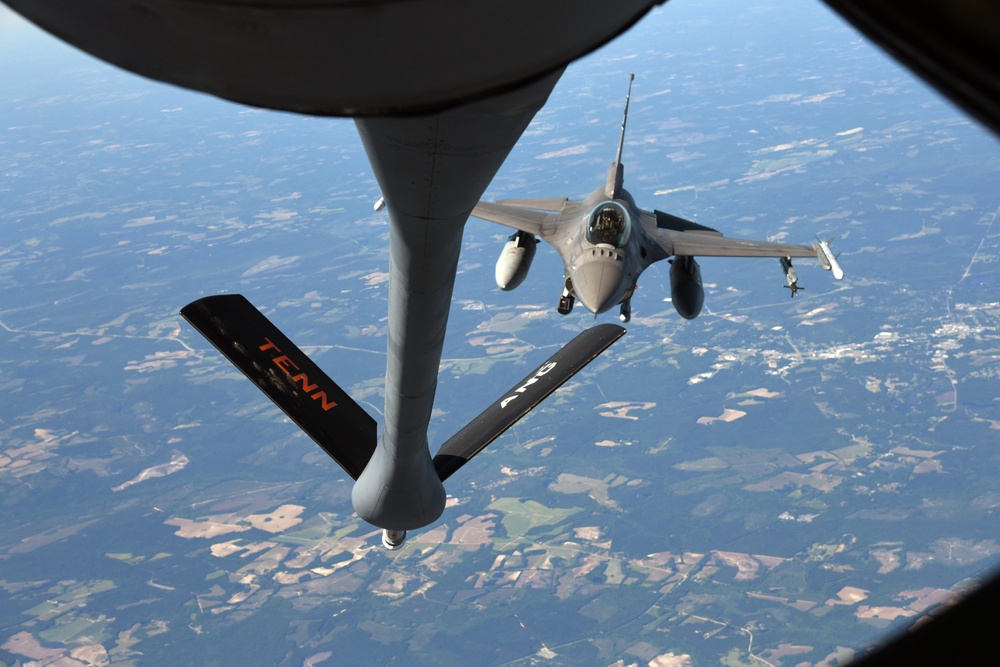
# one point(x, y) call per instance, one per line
point(597, 285)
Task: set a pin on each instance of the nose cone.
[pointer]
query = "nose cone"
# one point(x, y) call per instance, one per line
point(598, 285)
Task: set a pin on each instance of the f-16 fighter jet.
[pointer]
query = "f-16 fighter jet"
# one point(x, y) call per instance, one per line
point(606, 242)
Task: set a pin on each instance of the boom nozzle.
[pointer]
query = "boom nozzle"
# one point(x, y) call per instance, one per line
point(393, 539)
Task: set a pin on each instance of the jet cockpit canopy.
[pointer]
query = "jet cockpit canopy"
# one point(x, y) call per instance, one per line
point(610, 224)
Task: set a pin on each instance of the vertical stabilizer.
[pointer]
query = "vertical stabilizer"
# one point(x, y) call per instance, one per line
point(616, 176)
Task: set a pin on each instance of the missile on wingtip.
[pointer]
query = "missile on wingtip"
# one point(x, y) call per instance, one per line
point(380, 204)
point(829, 260)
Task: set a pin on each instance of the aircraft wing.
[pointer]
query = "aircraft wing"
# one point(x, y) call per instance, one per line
point(553, 204)
point(701, 244)
point(512, 215)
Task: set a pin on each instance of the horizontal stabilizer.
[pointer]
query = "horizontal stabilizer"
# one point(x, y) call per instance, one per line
point(672, 222)
point(517, 402)
point(289, 378)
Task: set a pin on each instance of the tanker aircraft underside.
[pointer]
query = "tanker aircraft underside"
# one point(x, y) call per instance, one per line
point(606, 242)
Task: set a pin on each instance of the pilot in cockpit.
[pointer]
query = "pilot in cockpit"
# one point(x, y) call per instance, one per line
point(608, 224)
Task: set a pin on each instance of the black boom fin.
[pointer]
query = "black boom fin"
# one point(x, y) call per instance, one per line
point(289, 378)
point(524, 396)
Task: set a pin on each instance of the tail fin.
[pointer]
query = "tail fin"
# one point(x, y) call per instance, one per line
point(517, 402)
point(616, 177)
point(289, 378)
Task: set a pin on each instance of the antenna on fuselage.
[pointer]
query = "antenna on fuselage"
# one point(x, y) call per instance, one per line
point(616, 176)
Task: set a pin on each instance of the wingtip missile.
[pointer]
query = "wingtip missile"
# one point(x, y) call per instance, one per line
point(828, 259)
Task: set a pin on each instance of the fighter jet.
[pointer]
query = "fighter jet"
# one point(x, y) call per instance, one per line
point(606, 242)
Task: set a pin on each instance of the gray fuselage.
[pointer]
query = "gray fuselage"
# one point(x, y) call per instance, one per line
point(603, 267)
